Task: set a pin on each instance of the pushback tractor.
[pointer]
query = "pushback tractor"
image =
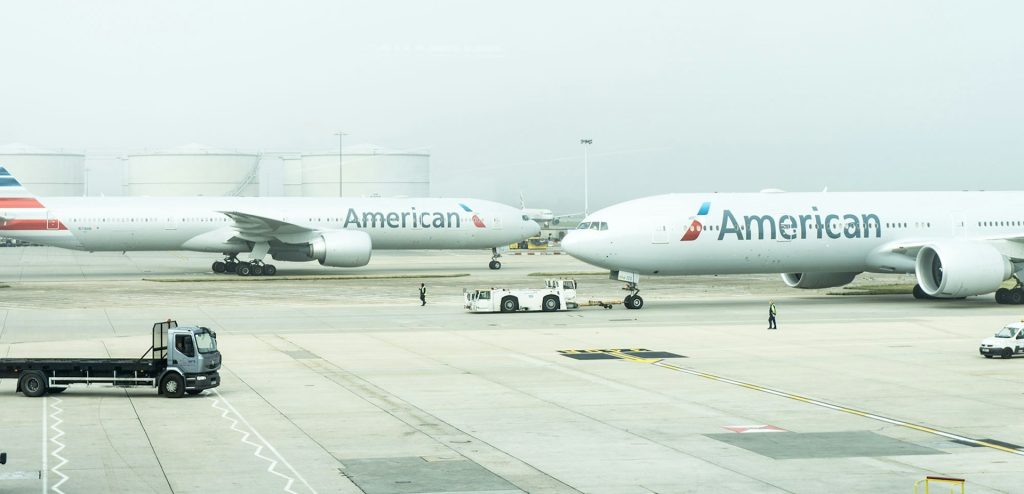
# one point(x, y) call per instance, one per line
point(182, 359)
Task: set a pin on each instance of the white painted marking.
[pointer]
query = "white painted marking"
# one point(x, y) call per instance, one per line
point(46, 449)
point(20, 476)
point(57, 410)
point(259, 448)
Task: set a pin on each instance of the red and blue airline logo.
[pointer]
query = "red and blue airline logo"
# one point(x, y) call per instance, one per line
point(476, 219)
point(696, 226)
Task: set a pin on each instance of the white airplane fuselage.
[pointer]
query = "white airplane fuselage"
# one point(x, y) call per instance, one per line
point(200, 223)
point(826, 232)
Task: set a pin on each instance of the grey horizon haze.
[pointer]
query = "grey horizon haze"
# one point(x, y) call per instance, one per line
point(677, 96)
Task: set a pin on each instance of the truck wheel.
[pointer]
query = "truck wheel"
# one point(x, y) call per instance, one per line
point(509, 304)
point(173, 386)
point(33, 384)
point(551, 304)
point(1007, 353)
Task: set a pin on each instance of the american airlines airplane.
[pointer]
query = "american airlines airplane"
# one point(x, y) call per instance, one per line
point(338, 232)
point(957, 243)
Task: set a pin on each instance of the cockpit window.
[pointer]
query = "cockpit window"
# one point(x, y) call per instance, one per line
point(604, 226)
point(583, 226)
point(595, 226)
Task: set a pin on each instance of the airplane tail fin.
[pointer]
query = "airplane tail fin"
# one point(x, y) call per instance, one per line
point(13, 195)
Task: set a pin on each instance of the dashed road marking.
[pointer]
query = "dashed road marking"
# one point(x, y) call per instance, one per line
point(229, 410)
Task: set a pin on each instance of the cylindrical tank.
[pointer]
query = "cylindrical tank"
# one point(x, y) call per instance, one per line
point(367, 171)
point(43, 172)
point(292, 175)
point(192, 170)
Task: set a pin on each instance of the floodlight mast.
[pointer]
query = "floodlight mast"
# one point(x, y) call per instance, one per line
point(586, 178)
point(341, 163)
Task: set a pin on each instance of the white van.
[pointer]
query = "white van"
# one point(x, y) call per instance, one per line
point(1006, 343)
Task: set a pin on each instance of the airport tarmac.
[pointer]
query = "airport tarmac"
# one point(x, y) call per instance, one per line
point(348, 385)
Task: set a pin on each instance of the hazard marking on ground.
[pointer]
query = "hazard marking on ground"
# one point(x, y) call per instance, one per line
point(747, 429)
point(641, 355)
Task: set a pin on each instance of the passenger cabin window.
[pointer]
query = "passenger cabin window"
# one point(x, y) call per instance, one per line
point(183, 344)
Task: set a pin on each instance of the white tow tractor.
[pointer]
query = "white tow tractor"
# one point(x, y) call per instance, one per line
point(556, 295)
point(1006, 343)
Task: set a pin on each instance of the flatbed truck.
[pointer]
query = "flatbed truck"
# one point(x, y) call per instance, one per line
point(181, 360)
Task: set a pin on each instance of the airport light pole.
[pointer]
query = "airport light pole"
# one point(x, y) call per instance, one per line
point(341, 163)
point(586, 185)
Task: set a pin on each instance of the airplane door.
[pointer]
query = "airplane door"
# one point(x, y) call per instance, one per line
point(52, 223)
point(172, 223)
point(660, 233)
point(958, 225)
point(496, 224)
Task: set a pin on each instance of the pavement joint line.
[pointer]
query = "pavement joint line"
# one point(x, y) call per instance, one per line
point(229, 408)
point(57, 421)
point(838, 408)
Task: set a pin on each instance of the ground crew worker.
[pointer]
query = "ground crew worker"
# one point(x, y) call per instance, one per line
point(771, 315)
point(423, 294)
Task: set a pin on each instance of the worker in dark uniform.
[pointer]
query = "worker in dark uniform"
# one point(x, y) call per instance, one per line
point(423, 294)
point(771, 315)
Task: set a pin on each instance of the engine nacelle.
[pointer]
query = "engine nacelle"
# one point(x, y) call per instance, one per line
point(957, 269)
point(817, 280)
point(342, 249)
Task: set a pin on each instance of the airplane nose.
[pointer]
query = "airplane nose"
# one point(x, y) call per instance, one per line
point(571, 245)
point(534, 229)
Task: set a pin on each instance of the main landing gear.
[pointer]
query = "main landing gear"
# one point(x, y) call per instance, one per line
point(1011, 296)
point(231, 264)
point(633, 300)
point(495, 263)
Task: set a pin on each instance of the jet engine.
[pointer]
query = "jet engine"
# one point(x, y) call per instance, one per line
point(958, 269)
point(817, 280)
point(342, 249)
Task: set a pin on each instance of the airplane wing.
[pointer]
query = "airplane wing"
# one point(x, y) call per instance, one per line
point(1011, 246)
point(257, 228)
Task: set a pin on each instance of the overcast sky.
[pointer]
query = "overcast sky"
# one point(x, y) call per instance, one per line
point(677, 96)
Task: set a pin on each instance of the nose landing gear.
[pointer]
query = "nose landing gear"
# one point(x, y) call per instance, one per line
point(495, 263)
point(633, 300)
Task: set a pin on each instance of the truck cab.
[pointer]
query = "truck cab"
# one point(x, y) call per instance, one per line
point(1006, 343)
point(189, 351)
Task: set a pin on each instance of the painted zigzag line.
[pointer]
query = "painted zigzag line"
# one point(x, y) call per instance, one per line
point(259, 447)
point(56, 440)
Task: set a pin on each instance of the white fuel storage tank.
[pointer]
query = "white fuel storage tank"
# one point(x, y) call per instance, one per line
point(366, 170)
point(192, 170)
point(45, 172)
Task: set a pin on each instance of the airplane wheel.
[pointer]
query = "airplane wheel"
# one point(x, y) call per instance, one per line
point(219, 267)
point(244, 269)
point(494, 265)
point(1002, 296)
point(920, 294)
point(257, 270)
point(1016, 296)
point(269, 270)
point(230, 267)
point(634, 302)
